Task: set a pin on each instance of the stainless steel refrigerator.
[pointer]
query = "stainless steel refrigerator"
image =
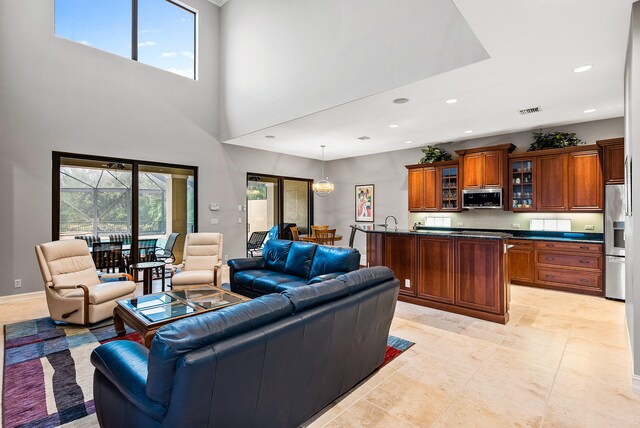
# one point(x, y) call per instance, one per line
point(614, 211)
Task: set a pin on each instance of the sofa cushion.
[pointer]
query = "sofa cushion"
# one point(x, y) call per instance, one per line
point(365, 278)
point(326, 276)
point(182, 336)
point(275, 254)
point(308, 296)
point(334, 259)
point(246, 277)
point(289, 285)
point(300, 259)
point(193, 277)
point(268, 283)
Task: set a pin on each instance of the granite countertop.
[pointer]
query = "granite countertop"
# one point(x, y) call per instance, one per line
point(591, 238)
point(476, 234)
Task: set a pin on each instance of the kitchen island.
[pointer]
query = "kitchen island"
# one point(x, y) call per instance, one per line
point(455, 271)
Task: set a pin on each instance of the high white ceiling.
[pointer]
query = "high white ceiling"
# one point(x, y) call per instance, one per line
point(533, 45)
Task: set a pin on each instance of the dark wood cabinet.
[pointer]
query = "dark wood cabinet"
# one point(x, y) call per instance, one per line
point(433, 187)
point(494, 169)
point(375, 249)
point(585, 181)
point(415, 186)
point(435, 269)
point(521, 261)
point(613, 160)
point(473, 167)
point(568, 266)
point(484, 167)
point(479, 281)
point(552, 182)
point(400, 257)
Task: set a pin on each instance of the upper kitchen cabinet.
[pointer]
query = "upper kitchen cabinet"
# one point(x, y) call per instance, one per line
point(485, 167)
point(585, 181)
point(523, 191)
point(613, 157)
point(552, 182)
point(433, 187)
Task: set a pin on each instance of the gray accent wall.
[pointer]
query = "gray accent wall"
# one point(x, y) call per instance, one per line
point(387, 172)
point(58, 95)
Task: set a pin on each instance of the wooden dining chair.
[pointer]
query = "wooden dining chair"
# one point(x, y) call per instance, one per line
point(325, 236)
point(315, 228)
point(295, 233)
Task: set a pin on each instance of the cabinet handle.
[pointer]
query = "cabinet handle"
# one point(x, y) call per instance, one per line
point(584, 281)
point(584, 262)
point(551, 258)
point(584, 248)
point(549, 276)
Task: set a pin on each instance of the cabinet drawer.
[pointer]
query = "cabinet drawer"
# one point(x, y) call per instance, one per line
point(569, 278)
point(577, 260)
point(570, 246)
point(521, 244)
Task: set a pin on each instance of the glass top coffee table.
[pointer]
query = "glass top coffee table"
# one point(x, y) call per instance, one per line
point(147, 313)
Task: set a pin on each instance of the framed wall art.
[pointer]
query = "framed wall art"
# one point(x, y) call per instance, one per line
point(364, 200)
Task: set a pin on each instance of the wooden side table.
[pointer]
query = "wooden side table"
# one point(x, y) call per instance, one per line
point(147, 274)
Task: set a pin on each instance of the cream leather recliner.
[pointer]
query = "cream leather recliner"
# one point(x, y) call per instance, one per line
point(74, 291)
point(201, 263)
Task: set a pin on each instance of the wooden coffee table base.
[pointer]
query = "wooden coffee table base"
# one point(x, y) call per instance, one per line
point(122, 317)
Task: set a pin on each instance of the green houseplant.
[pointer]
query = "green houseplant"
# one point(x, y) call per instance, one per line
point(432, 154)
point(553, 140)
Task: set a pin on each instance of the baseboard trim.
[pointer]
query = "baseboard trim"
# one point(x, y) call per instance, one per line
point(635, 384)
point(19, 297)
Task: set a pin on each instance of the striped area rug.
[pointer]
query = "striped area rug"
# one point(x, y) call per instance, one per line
point(48, 378)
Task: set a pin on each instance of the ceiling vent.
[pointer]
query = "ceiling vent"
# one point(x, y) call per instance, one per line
point(531, 110)
point(364, 138)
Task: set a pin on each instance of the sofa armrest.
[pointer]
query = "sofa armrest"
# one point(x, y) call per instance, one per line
point(246, 264)
point(124, 363)
point(325, 277)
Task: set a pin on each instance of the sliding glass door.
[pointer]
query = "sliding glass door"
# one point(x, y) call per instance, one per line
point(139, 203)
point(275, 200)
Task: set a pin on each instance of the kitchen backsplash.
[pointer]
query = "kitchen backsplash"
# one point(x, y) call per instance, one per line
point(494, 219)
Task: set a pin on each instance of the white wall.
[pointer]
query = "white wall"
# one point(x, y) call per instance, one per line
point(284, 59)
point(387, 172)
point(632, 144)
point(57, 95)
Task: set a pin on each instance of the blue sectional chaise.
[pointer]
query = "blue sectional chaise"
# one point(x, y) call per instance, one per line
point(289, 264)
point(273, 361)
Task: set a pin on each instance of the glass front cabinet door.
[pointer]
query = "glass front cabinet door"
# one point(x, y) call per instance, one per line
point(523, 196)
point(450, 193)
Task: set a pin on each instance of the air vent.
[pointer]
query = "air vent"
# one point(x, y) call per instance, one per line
point(364, 138)
point(531, 110)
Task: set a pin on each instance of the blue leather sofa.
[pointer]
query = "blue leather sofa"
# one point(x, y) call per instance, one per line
point(289, 264)
point(273, 361)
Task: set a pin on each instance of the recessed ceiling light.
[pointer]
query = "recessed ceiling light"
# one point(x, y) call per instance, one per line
point(452, 101)
point(269, 136)
point(393, 126)
point(401, 100)
point(468, 131)
point(590, 110)
point(582, 69)
point(409, 142)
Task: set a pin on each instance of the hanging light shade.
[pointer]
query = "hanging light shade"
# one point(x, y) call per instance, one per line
point(322, 187)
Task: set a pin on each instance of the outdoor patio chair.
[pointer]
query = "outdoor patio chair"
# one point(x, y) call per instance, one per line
point(166, 254)
point(125, 238)
point(89, 239)
point(108, 257)
point(255, 242)
point(75, 294)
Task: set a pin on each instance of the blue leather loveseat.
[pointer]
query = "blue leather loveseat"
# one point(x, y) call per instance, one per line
point(289, 264)
point(273, 361)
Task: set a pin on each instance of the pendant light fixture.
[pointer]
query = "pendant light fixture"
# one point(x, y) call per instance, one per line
point(322, 187)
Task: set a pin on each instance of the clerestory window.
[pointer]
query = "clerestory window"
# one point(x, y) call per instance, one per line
point(160, 33)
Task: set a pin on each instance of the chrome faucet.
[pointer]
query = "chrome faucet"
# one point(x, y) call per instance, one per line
point(386, 224)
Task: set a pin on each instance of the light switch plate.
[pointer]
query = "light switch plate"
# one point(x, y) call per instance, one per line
point(589, 227)
point(214, 206)
point(214, 221)
point(407, 283)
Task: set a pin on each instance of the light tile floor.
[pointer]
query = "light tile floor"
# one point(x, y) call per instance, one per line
point(561, 361)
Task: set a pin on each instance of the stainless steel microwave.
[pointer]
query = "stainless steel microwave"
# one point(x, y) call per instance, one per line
point(482, 198)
